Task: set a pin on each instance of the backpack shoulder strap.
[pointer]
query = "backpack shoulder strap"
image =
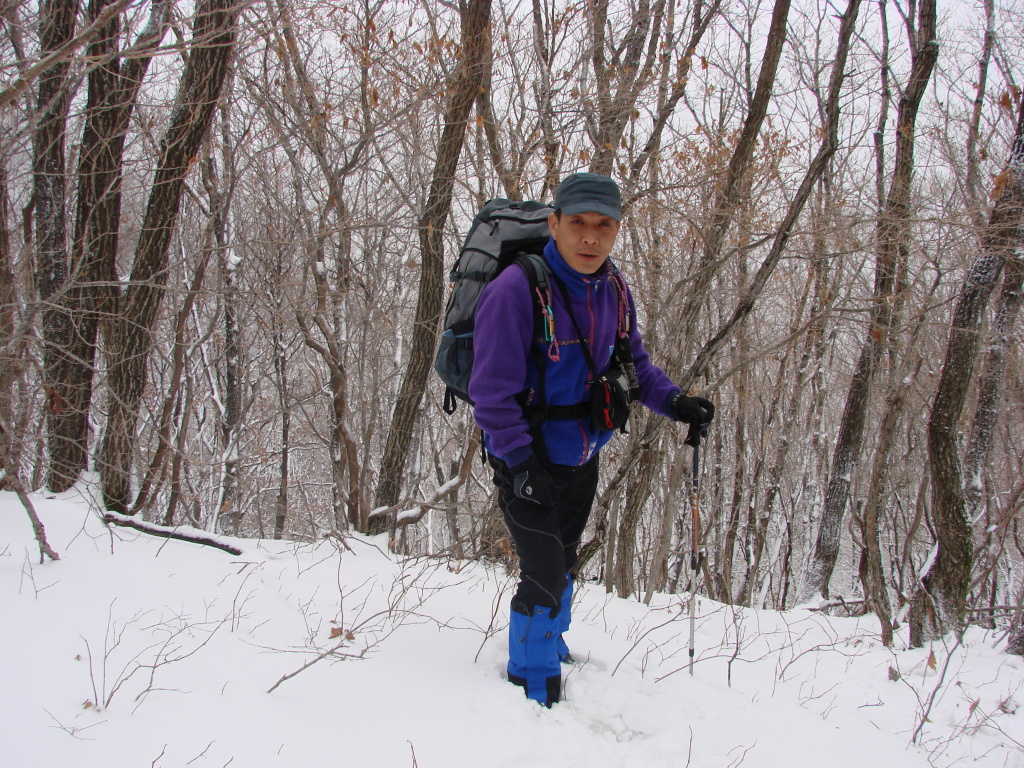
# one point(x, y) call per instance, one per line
point(623, 350)
point(619, 284)
point(538, 275)
point(536, 269)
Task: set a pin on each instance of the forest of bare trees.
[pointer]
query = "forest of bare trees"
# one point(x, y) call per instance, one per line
point(225, 230)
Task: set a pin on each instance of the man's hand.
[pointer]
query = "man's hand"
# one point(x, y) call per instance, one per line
point(532, 483)
point(695, 411)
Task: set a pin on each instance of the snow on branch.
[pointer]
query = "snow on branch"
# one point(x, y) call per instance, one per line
point(181, 533)
point(409, 511)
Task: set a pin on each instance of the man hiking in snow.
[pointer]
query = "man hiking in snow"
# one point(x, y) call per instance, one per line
point(547, 402)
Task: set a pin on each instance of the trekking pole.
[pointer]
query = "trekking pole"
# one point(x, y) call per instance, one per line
point(694, 439)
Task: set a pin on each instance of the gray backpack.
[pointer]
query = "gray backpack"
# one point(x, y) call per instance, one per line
point(502, 233)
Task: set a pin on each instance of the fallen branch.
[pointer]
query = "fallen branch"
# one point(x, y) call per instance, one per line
point(839, 602)
point(319, 657)
point(180, 533)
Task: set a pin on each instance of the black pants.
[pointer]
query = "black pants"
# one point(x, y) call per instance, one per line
point(547, 539)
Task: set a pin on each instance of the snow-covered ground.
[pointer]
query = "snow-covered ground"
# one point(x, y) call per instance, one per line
point(138, 651)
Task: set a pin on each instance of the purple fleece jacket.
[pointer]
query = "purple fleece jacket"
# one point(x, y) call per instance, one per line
point(504, 363)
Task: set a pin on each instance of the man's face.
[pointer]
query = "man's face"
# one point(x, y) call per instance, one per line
point(585, 239)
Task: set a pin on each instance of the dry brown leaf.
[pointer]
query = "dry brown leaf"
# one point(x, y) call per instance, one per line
point(998, 183)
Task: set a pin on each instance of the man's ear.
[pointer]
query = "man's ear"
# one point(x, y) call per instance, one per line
point(553, 222)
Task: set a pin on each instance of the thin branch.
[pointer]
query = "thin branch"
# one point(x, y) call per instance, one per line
point(19, 488)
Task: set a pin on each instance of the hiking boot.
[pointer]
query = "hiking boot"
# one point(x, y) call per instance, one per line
point(533, 662)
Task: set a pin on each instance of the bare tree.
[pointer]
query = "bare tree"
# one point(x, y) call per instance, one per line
point(113, 86)
point(219, 181)
point(647, 459)
point(972, 183)
point(891, 244)
point(622, 70)
point(940, 606)
point(9, 360)
point(335, 164)
point(131, 340)
point(976, 473)
point(57, 22)
point(172, 400)
point(281, 374)
point(475, 15)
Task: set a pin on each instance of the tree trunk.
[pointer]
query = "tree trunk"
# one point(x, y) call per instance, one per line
point(991, 388)
point(172, 400)
point(183, 407)
point(637, 493)
point(67, 453)
point(986, 415)
point(727, 555)
point(111, 100)
point(940, 606)
point(213, 40)
point(729, 198)
point(476, 16)
point(891, 246)
point(281, 371)
point(810, 359)
point(872, 574)
point(630, 70)
point(901, 383)
point(10, 366)
point(972, 184)
point(219, 189)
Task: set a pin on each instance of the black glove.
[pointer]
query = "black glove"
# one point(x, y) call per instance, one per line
point(695, 411)
point(532, 483)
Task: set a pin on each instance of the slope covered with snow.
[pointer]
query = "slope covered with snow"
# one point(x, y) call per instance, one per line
point(134, 650)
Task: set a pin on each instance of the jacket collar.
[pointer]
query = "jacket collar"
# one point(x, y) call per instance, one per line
point(576, 282)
